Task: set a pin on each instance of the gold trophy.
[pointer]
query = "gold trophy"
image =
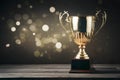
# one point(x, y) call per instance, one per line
point(82, 29)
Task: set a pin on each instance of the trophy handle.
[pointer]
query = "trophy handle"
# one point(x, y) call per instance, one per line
point(61, 17)
point(67, 19)
point(104, 18)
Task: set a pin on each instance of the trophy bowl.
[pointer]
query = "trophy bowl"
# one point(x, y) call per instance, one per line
point(82, 30)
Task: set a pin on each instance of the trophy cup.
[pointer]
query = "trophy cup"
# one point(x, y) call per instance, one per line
point(82, 29)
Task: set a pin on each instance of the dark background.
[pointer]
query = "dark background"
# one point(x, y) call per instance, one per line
point(103, 49)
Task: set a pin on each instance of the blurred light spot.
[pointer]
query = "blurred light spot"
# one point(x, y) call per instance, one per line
point(52, 9)
point(17, 23)
point(74, 51)
point(25, 16)
point(63, 35)
point(36, 53)
point(38, 42)
point(64, 46)
point(70, 39)
point(31, 6)
point(7, 45)
point(13, 29)
point(34, 34)
point(54, 40)
point(68, 31)
point(41, 54)
point(29, 21)
point(24, 29)
point(33, 28)
point(57, 12)
point(46, 40)
point(22, 37)
point(19, 6)
point(18, 41)
point(46, 51)
point(17, 17)
point(58, 45)
point(45, 27)
point(44, 15)
point(56, 35)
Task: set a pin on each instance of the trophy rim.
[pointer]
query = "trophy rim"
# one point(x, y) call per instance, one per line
point(83, 16)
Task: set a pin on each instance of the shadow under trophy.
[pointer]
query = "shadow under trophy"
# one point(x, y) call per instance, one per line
point(82, 29)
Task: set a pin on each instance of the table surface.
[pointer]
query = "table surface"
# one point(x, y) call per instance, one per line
point(57, 71)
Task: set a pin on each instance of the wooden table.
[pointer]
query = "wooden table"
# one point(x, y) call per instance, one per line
point(59, 71)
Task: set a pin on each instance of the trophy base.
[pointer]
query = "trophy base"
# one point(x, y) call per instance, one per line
point(81, 66)
point(79, 71)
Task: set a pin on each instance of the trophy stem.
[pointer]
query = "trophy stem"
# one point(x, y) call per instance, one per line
point(81, 63)
point(81, 54)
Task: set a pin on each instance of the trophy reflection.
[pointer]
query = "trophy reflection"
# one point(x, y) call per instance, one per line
point(82, 30)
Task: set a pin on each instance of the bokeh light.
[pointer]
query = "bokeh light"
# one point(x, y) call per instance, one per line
point(44, 15)
point(46, 51)
point(45, 27)
point(57, 12)
point(46, 40)
point(52, 9)
point(34, 34)
point(64, 46)
point(17, 23)
point(31, 6)
point(24, 29)
point(63, 34)
point(58, 45)
point(19, 6)
point(37, 53)
point(7, 45)
point(29, 21)
point(22, 37)
point(13, 29)
point(33, 28)
point(38, 42)
point(25, 16)
point(18, 41)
